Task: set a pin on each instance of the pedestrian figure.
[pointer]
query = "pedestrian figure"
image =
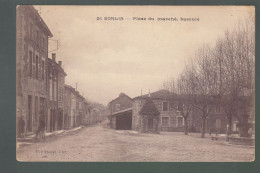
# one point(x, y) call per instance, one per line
point(40, 130)
point(21, 124)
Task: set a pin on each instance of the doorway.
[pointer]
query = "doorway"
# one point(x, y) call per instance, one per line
point(124, 121)
point(29, 119)
point(150, 124)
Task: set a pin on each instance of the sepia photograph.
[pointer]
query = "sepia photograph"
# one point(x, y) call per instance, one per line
point(135, 83)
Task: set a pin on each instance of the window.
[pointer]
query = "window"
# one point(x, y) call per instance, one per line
point(34, 35)
point(165, 120)
point(50, 89)
point(30, 63)
point(180, 121)
point(117, 107)
point(61, 96)
point(50, 71)
point(36, 64)
point(43, 42)
point(43, 70)
point(40, 69)
point(55, 90)
point(218, 123)
point(36, 108)
point(31, 30)
point(234, 126)
point(165, 106)
point(37, 36)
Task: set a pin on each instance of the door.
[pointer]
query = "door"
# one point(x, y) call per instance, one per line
point(150, 124)
point(29, 120)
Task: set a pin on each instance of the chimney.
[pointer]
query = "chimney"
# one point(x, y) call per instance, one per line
point(60, 63)
point(53, 55)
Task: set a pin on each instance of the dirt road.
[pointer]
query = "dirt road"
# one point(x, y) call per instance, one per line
point(106, 145)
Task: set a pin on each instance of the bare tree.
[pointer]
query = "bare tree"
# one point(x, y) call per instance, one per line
point(226, 73)
point(169, 85)
point(223, 74)
point(206, 84)
point(234, 59)
point(186, 89)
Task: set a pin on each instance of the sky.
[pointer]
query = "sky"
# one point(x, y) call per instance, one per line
point(108, 57)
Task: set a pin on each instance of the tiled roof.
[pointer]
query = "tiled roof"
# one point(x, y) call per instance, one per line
point(149, 108)
point(120, 95)
point(161, 94)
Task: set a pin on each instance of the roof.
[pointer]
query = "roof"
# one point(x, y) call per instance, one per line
point(161, 94)
point(41, 21)
point(68, 86)
point(122, 111)
point(149, 108)
point(120, 95)
point(57, 66)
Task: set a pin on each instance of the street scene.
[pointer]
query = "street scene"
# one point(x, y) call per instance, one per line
point(135, 83)
point(101, 144)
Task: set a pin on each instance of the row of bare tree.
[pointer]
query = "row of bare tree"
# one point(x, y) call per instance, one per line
point(221, 74)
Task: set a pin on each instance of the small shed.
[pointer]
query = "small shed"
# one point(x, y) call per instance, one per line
point(121, 112)
point(150, 117)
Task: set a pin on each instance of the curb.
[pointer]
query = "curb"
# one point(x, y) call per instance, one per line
point(31, 140)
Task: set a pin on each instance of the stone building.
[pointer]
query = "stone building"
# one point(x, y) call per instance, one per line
point(31, 65)
point(164, 115)
point(61, 88)
point(79, 109)
point(85, 112)
point(75, 108)
point(70, 107)
point(161, 111)
point(150, 113)
point(121, 112)
point(55, 89)
point(149, 117)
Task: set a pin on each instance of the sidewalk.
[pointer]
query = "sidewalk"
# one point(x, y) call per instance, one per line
point(30, 139)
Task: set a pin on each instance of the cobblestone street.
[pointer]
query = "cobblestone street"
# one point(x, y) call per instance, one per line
point(99, 143)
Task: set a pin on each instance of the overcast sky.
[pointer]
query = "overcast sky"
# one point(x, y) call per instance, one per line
point(106, 58)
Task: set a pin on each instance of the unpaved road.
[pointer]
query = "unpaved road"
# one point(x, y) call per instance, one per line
point(98, 143)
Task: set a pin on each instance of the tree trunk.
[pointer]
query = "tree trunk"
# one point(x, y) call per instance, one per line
point(203, 127)
point(185, 125)
point(229, 129)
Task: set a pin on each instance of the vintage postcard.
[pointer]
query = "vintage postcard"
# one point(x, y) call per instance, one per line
point(135, 83)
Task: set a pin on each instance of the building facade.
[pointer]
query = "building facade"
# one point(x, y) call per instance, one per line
point(70, 107)
point(31, 66)
point(160, 111)
point(166, 103)
point(121, 112)
point(61, 88)
point(55, 90)
point(76, 108)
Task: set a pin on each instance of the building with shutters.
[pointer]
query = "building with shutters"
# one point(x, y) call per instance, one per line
point(31, 65)
point(55, 89)
point(157, 111)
